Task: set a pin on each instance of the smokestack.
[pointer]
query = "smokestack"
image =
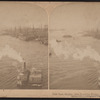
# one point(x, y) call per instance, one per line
point(24, 65)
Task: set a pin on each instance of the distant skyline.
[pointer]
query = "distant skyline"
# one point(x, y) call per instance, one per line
point(16, 14)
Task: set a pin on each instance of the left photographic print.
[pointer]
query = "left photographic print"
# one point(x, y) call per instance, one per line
point(23, 46)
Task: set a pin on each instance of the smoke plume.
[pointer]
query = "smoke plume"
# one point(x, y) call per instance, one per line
point(78, 53)
point(11, 53)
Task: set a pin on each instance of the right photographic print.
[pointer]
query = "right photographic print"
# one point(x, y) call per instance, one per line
point(74, 47)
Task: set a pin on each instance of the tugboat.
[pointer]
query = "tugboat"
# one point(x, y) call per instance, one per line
point(58, 41)
point(29, 79)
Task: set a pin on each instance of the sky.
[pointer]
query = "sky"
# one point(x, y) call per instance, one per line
point(16, 14)
point(76, 17)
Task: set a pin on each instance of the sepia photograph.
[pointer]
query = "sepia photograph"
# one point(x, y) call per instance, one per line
point(23, 46)
point(74, 47)
point(49, 49)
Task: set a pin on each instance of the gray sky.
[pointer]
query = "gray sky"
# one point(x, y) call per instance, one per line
point(21, 14)
point(76, 17)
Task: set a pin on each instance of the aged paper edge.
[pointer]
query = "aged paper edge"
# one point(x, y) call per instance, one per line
point(48, 93)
